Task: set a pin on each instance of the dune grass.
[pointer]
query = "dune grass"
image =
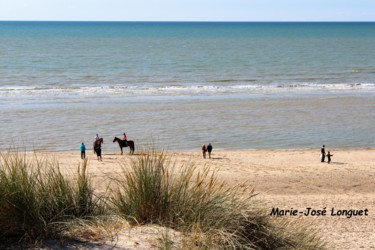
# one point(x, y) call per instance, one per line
point(154, 189)
point(37, 200)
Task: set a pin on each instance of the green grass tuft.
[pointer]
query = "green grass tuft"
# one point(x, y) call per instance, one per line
point(36, 200)
point(153, 189)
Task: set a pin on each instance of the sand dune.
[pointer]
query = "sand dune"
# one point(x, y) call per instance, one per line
point(284, 179)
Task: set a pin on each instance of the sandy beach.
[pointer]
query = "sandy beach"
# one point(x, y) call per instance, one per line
point(284, 179)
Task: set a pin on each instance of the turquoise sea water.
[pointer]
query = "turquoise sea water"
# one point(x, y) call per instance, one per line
point(236, 85)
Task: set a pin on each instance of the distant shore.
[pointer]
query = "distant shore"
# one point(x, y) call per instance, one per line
point(301, 165)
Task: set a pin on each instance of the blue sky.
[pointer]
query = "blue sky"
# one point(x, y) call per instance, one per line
point(188, 10)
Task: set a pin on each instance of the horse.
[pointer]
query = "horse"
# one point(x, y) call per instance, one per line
point(122, 144)
point(97, 145)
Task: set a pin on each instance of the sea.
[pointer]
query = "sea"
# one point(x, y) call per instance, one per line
point(178, 85)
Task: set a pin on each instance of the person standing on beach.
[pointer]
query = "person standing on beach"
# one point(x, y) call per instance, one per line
point(204, 151)
point(83, 151)
point(323, 153)
point(97, 137)
point(98, 151)
point(329, 157)
point(209, 149)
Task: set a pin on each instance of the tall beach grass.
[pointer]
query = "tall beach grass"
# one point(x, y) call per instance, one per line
point(37, 200)
point(155, 189)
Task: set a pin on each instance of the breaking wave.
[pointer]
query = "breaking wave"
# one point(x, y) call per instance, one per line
point(186, 89)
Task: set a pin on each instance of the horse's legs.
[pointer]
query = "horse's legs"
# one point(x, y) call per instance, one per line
point(121, 151)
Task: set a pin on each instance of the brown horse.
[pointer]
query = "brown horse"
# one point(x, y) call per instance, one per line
point(122, 144)
point(97, 145)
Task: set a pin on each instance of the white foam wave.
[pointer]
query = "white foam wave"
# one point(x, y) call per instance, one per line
point(183, 89)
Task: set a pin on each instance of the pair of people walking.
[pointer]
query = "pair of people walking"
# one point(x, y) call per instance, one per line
point(206, 149)
point(323, 155)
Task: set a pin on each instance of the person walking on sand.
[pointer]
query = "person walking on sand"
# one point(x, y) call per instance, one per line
point(204, 151)
point(97, 137)
point(209, 149)
point(83, 151)
point(323, 153)
point(329, 157)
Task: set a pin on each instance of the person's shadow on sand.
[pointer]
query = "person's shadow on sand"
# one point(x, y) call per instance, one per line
point(218, 158)
point(338, 163)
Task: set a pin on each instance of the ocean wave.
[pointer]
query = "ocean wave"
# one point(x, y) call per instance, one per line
point(184, 89)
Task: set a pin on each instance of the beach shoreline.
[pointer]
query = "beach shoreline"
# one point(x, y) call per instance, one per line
point(297, 162)
point(192, 151)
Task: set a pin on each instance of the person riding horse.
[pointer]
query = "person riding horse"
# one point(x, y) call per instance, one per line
point(122, 144)
point(125, 140)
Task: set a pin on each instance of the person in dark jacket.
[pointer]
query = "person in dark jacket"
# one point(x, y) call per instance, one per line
point(209, 149)
point(323, 153)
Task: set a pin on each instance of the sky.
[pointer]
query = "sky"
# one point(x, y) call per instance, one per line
point(188, 10)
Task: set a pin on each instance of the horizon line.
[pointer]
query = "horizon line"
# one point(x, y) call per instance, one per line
point(124, 21)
